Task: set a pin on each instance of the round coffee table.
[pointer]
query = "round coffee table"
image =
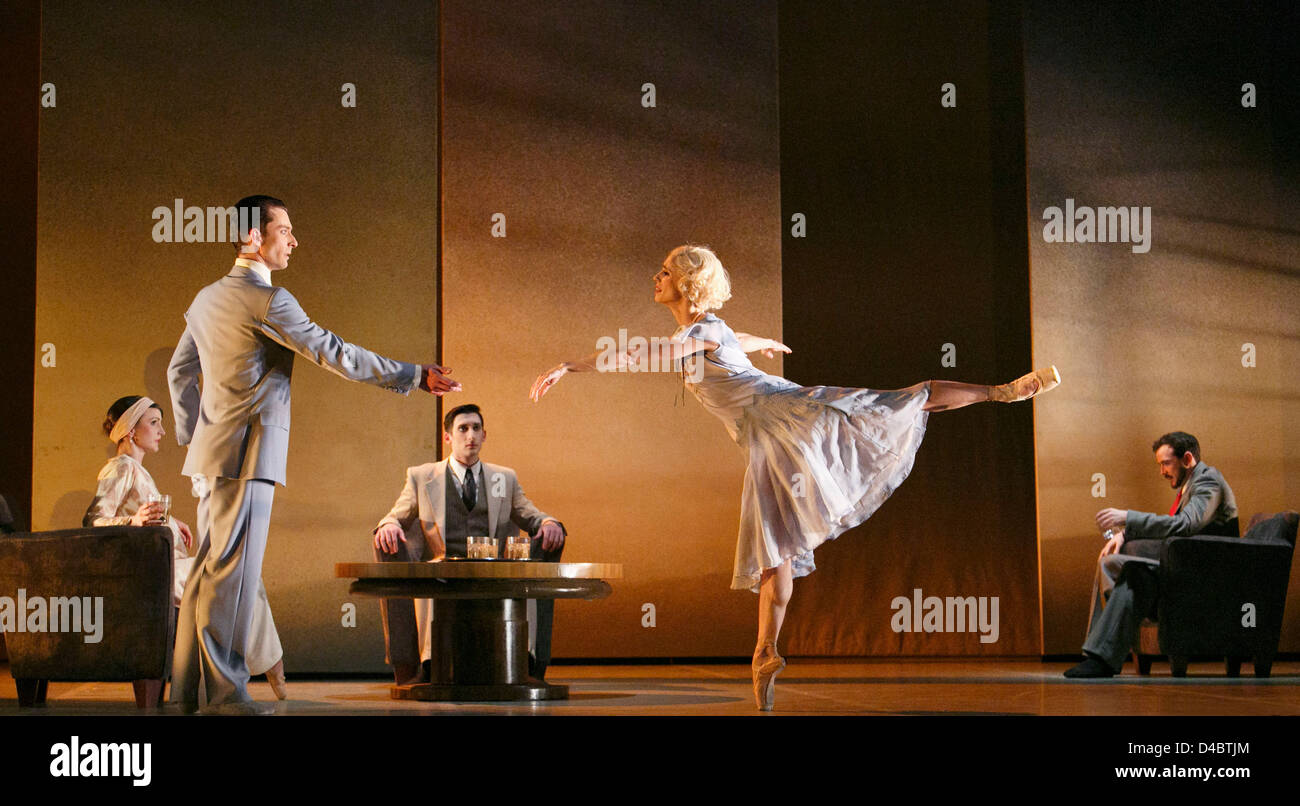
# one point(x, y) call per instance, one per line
point(479, 628)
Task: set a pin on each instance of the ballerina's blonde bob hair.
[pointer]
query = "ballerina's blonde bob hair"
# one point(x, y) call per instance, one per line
point(701, 278)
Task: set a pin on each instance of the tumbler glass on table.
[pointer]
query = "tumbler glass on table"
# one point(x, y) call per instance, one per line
point(518, 547)
point(481, 548)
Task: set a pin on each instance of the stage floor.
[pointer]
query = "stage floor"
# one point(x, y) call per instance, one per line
point(808, 687)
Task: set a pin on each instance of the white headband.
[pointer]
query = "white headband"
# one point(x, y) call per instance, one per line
point(129, 418)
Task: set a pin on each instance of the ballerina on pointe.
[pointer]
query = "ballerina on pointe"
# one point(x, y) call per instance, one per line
point(821, 459)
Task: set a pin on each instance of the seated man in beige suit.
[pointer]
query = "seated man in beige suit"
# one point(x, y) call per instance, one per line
point(441, 505)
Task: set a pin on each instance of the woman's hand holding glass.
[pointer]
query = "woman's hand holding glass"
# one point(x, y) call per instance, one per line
point(150, 514)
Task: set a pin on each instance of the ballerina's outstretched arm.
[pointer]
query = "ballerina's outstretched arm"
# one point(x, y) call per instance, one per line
point(768, 347)
point(667, 351)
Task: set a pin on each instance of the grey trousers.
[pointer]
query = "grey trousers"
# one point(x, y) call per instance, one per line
point(1125, 590)
point(222, 611)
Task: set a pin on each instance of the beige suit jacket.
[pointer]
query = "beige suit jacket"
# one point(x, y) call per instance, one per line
point(421, 509)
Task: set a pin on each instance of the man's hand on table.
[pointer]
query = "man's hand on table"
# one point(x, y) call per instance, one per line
point(387, 537)
point(552, 535)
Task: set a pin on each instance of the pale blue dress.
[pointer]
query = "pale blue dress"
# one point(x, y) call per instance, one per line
point(821, 459)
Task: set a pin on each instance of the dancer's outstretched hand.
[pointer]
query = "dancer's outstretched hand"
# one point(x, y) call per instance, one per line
point(433, 379)
point(772, 348)
point(546, 380)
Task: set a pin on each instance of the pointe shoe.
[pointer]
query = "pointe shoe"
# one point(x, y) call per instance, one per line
point(765, 681)
point(1027, 386)
point(275, 676)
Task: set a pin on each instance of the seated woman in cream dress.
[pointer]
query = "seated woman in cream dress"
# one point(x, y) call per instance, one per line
point(126, 497)
point(819, 459)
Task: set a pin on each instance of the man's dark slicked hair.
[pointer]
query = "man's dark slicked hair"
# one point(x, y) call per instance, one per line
point(468, 408)
point(244, 212)
point(1181, 442)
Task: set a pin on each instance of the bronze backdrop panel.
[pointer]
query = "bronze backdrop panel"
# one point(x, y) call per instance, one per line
point(545, 124)
point(160, 101)
point(915, 241)
point(1157, 341)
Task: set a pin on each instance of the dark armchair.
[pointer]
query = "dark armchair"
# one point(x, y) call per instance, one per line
point(124, 570)
point(1222, 596)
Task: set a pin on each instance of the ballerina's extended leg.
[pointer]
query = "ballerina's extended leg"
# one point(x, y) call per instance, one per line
point(948, 395)
point(774, 592)
point(1027, 386)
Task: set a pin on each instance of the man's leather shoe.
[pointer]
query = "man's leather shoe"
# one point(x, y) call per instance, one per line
point(405, 674)
point(1092, 666)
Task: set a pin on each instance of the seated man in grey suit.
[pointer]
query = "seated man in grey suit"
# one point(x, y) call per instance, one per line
point(441, 505)
point(1127, 582)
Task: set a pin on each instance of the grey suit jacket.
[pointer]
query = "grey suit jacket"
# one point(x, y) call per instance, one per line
point(423, 502)
point(1208, 499)
point(241, 335)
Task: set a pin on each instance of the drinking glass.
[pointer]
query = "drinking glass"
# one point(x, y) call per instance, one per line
point(481, 548)
point(518, 547)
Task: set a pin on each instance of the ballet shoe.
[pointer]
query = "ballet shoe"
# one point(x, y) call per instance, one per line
point(1027, 386)
point(765, 681)
point(275, 676)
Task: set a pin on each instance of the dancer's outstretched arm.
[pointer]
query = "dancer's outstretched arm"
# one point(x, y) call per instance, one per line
point(769, 347)
point(612, 361)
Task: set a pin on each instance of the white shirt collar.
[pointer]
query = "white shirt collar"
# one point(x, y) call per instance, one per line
point(259, 268)
point(458, 470)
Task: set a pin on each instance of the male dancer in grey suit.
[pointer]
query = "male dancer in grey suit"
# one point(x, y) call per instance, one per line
point(442, 504)
point(1127, 581)
point(241, 334)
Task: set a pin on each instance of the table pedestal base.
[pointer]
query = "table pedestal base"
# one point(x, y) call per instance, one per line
point(480, 654)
